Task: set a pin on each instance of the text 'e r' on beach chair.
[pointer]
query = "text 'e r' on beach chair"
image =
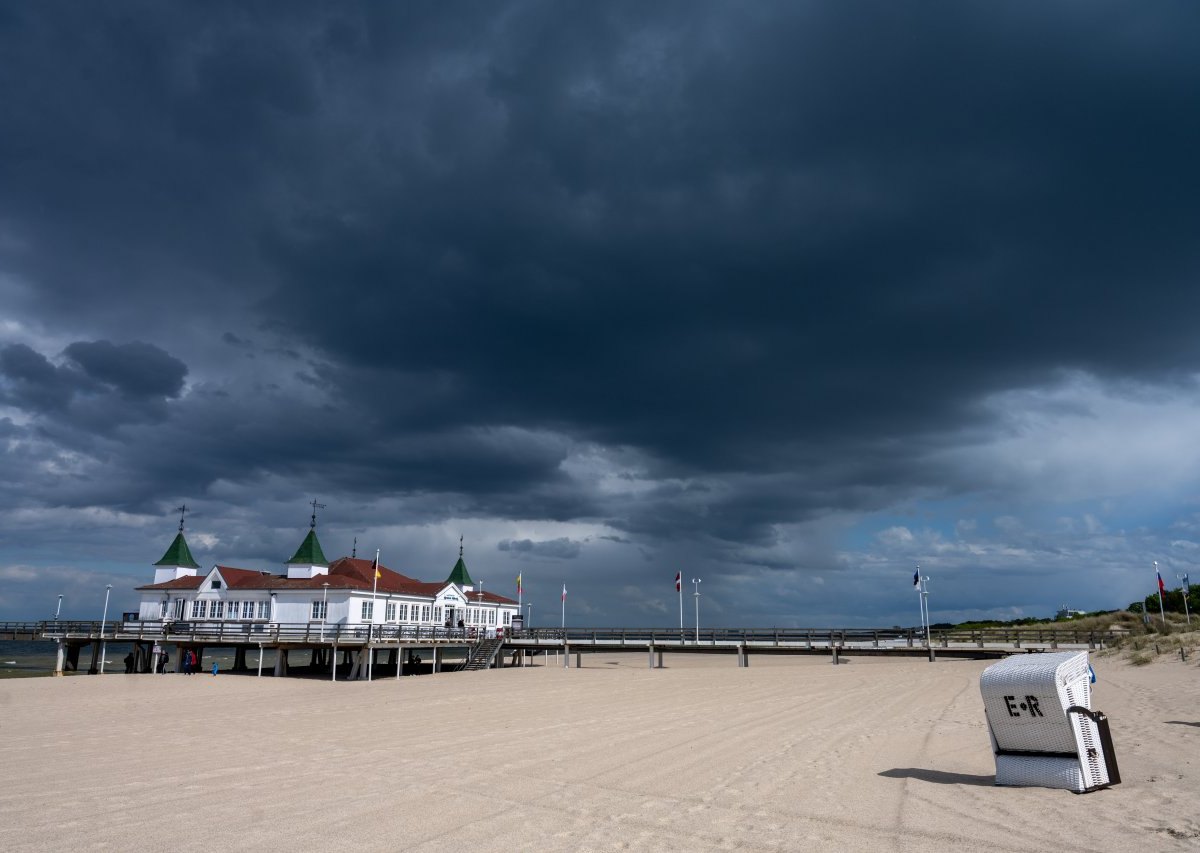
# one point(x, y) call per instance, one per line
point(1044, 731)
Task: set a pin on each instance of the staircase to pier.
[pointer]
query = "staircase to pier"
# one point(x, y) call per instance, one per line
point(483, 654)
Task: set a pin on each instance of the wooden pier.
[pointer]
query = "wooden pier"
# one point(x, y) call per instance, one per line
point(358, 651)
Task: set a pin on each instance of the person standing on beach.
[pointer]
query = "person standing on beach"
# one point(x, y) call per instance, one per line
point(214, 669)
point(187, 662)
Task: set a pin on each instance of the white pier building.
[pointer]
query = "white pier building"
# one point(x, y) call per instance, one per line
point(315, 591)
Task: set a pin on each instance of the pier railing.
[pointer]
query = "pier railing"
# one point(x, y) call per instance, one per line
point(274, 633)
point(237, 632)
point(818, 637)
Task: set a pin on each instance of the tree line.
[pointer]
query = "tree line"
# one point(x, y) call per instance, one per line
point(1172, 602)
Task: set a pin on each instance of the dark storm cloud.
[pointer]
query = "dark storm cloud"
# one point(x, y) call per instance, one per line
point(751, 240)
point(99, 387)
point(772, 262)
point(562, 548)
point(33, 382)
point(136, 369)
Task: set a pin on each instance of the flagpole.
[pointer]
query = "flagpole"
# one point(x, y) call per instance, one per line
point(374, 585)
point(679, 590)
point(371, 625)
point(1158, 578)
point(564, 609)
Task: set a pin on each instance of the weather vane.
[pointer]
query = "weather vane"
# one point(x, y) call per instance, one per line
point(316, 506)
point(460, 546)
point(182, 510)
point(354, 548)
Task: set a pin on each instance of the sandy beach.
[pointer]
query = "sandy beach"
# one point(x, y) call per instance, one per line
point(789, 754)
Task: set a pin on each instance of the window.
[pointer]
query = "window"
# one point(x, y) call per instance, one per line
point(318, 609)
point(262, 609)
point(247, 609)
point(368, 610)
point(163, 613)
point(390, 611)
point(216, 584)
point(403, 612)
point(425, 612)
point(199, 609)
point(507, 618)
point(437, 614)
point(218, 610)
point(233, 610)
point(492, 617)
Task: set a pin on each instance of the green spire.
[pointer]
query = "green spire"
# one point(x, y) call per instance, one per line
point(459, 573)
point(179, 554)
point(309, 553)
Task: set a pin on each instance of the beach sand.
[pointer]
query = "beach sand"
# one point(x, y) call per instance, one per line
point(790, 754)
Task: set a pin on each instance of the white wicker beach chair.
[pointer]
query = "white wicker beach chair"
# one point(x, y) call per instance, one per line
point(1044, 732)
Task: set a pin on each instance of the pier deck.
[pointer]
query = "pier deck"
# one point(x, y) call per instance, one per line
point(366, 641)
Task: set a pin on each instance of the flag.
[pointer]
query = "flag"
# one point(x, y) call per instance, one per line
point(917, 579)
point(518, 584)
point(678, 581)
point(375, 568)
point(564, 598)
point(1162, 590)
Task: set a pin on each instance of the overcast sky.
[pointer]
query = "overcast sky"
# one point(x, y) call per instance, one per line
point(789, 297)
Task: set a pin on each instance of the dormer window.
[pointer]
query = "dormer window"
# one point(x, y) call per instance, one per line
point(216, 584)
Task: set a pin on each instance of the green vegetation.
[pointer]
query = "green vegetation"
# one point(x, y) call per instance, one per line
point(1172, 602)
point(1081, 622)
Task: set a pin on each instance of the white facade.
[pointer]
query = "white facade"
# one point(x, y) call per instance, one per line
point(214, 601)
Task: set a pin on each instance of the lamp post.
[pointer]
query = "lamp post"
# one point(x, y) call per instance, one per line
point(103, 619)
point(920, 595)
point(529, 618)
point(324, 607)
point(58, 609)
point(696, 595)
point(925, 602)
point(1187, 590)
point(479, 612)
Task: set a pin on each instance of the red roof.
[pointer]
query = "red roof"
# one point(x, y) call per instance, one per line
point(344, 573)
point(191, 582)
